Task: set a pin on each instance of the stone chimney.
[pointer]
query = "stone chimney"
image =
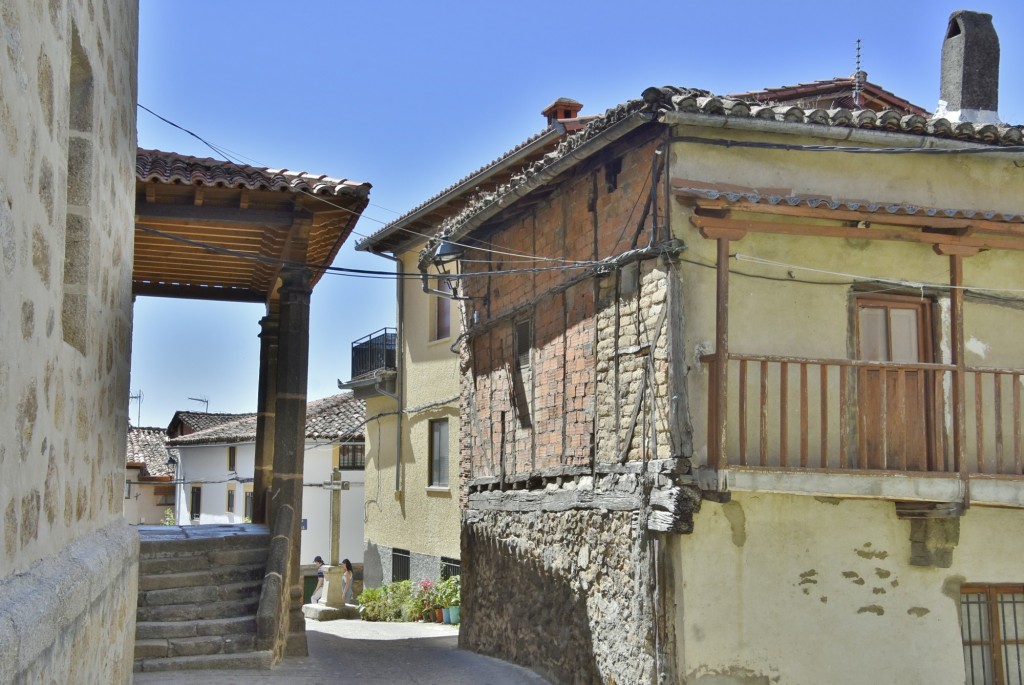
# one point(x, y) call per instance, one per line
point(969, 87)
point(562, 108)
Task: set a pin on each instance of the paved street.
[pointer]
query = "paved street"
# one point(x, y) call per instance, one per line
point(366, 653)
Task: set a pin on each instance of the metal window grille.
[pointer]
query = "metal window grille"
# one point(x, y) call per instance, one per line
point(992, 622)
point(450, 567)
point(375, 352)
point(231, 501)
point(399, 565)
point(351, 455)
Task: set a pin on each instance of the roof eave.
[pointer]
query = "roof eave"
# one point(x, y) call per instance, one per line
point(842, 133)
point(591, 147)
point(371, 243)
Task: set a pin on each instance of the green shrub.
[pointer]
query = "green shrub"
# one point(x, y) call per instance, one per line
point(450, 591)
point(390, 602)
point(168, 519)
point(371, 604)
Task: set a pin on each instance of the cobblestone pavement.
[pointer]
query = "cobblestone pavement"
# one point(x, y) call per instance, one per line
point(367, 653)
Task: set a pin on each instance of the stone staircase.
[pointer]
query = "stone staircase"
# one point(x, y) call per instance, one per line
point(199, 590)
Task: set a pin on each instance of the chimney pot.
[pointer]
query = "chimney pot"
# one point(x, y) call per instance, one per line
point(562, 108)
point(969, 87)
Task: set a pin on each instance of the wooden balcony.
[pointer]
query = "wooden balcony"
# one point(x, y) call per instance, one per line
point(840, 416)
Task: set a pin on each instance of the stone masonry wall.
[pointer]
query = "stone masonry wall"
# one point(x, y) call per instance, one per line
point(566, 594)
point(67, 158)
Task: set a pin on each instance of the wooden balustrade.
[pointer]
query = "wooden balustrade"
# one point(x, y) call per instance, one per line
point(841, 414)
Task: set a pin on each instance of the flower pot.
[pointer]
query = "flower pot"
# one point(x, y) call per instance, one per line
point(438, 616)
point(446, 615)
point(455, 613)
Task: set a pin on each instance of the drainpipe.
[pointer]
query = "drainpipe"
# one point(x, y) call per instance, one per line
point(399, 364)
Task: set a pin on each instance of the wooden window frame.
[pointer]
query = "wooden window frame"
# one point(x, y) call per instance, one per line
point(232, 458)
point(926, 339)
point(441, 304)
point(231, 501)
point(996, 642)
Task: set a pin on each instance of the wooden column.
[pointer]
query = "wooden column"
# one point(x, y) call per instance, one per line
point(265, 406)
point(721, 352)
point(719, 401)
point(956, 254)
point(290, 430)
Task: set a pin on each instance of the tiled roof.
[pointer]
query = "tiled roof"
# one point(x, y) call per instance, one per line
point(200, 420)
point(170, 167)
point(657, 101)
point(147, 450)
point(338, 417)
point(839, 91)
point(474, 176)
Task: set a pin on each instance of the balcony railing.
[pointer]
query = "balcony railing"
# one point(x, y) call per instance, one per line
point(842, 415)
point(375, 352)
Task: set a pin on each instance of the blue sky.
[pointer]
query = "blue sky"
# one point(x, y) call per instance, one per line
point(412, 96)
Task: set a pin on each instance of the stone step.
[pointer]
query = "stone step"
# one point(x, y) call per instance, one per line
point(215, 576)
point(194, 646)
point(245, 660)
point(185, 560)
point(201, 594)
point(153, 630)
point(197, 612)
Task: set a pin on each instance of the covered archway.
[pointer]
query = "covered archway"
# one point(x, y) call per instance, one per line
point(214, 230)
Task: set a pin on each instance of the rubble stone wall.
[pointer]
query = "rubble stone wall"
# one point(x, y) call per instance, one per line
point(563, 593)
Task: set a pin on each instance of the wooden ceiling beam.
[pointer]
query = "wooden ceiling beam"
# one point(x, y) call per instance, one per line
point(189, 215)
point(196, 292)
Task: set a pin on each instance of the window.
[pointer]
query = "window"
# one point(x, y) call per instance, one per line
point(441, 326)
point(992, 623)
point(439, 453)
point(196, 502)
point(231, 500)
point(351, 455)
point(164, 495)
point(399, 565)
point(450, 567)
point(231, 458)
point(248, 505)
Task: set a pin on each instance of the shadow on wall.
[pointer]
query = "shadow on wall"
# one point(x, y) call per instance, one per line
point(517, 610)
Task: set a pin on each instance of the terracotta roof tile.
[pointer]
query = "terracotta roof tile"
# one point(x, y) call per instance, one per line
point(147, 448)
point(171, 167)
point(338, 417)
point(201, 420)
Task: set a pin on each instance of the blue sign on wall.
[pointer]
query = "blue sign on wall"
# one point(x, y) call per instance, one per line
point(303, 524)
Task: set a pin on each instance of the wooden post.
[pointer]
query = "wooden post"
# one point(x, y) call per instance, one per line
point(721, 354)
point(956, 254)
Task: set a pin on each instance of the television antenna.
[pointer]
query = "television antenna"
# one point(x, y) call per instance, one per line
point(204, 400)
point(137, 397)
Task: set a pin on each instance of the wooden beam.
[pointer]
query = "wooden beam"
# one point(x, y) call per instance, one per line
point(195, 292)
point(919, 221)
point(188, 215)
point(979, 241)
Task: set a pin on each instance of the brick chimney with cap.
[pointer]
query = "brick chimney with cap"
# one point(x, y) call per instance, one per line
point(969, 86)
point(562, 108)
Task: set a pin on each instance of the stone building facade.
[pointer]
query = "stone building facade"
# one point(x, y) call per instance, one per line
point(68, 570)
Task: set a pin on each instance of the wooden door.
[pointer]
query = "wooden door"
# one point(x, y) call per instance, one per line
point(895, 419)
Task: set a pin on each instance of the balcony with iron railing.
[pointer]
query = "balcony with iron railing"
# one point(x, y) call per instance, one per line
point(903, 421)
point(375, 352)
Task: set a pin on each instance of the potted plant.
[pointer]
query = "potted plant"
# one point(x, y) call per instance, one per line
point(455, 599)
point(424, 593)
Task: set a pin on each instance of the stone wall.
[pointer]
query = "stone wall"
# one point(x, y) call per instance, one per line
point(573, 431)
point(67, 153)
point(568, 594)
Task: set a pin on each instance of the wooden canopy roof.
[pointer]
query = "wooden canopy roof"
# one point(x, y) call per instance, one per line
point(214, 230)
